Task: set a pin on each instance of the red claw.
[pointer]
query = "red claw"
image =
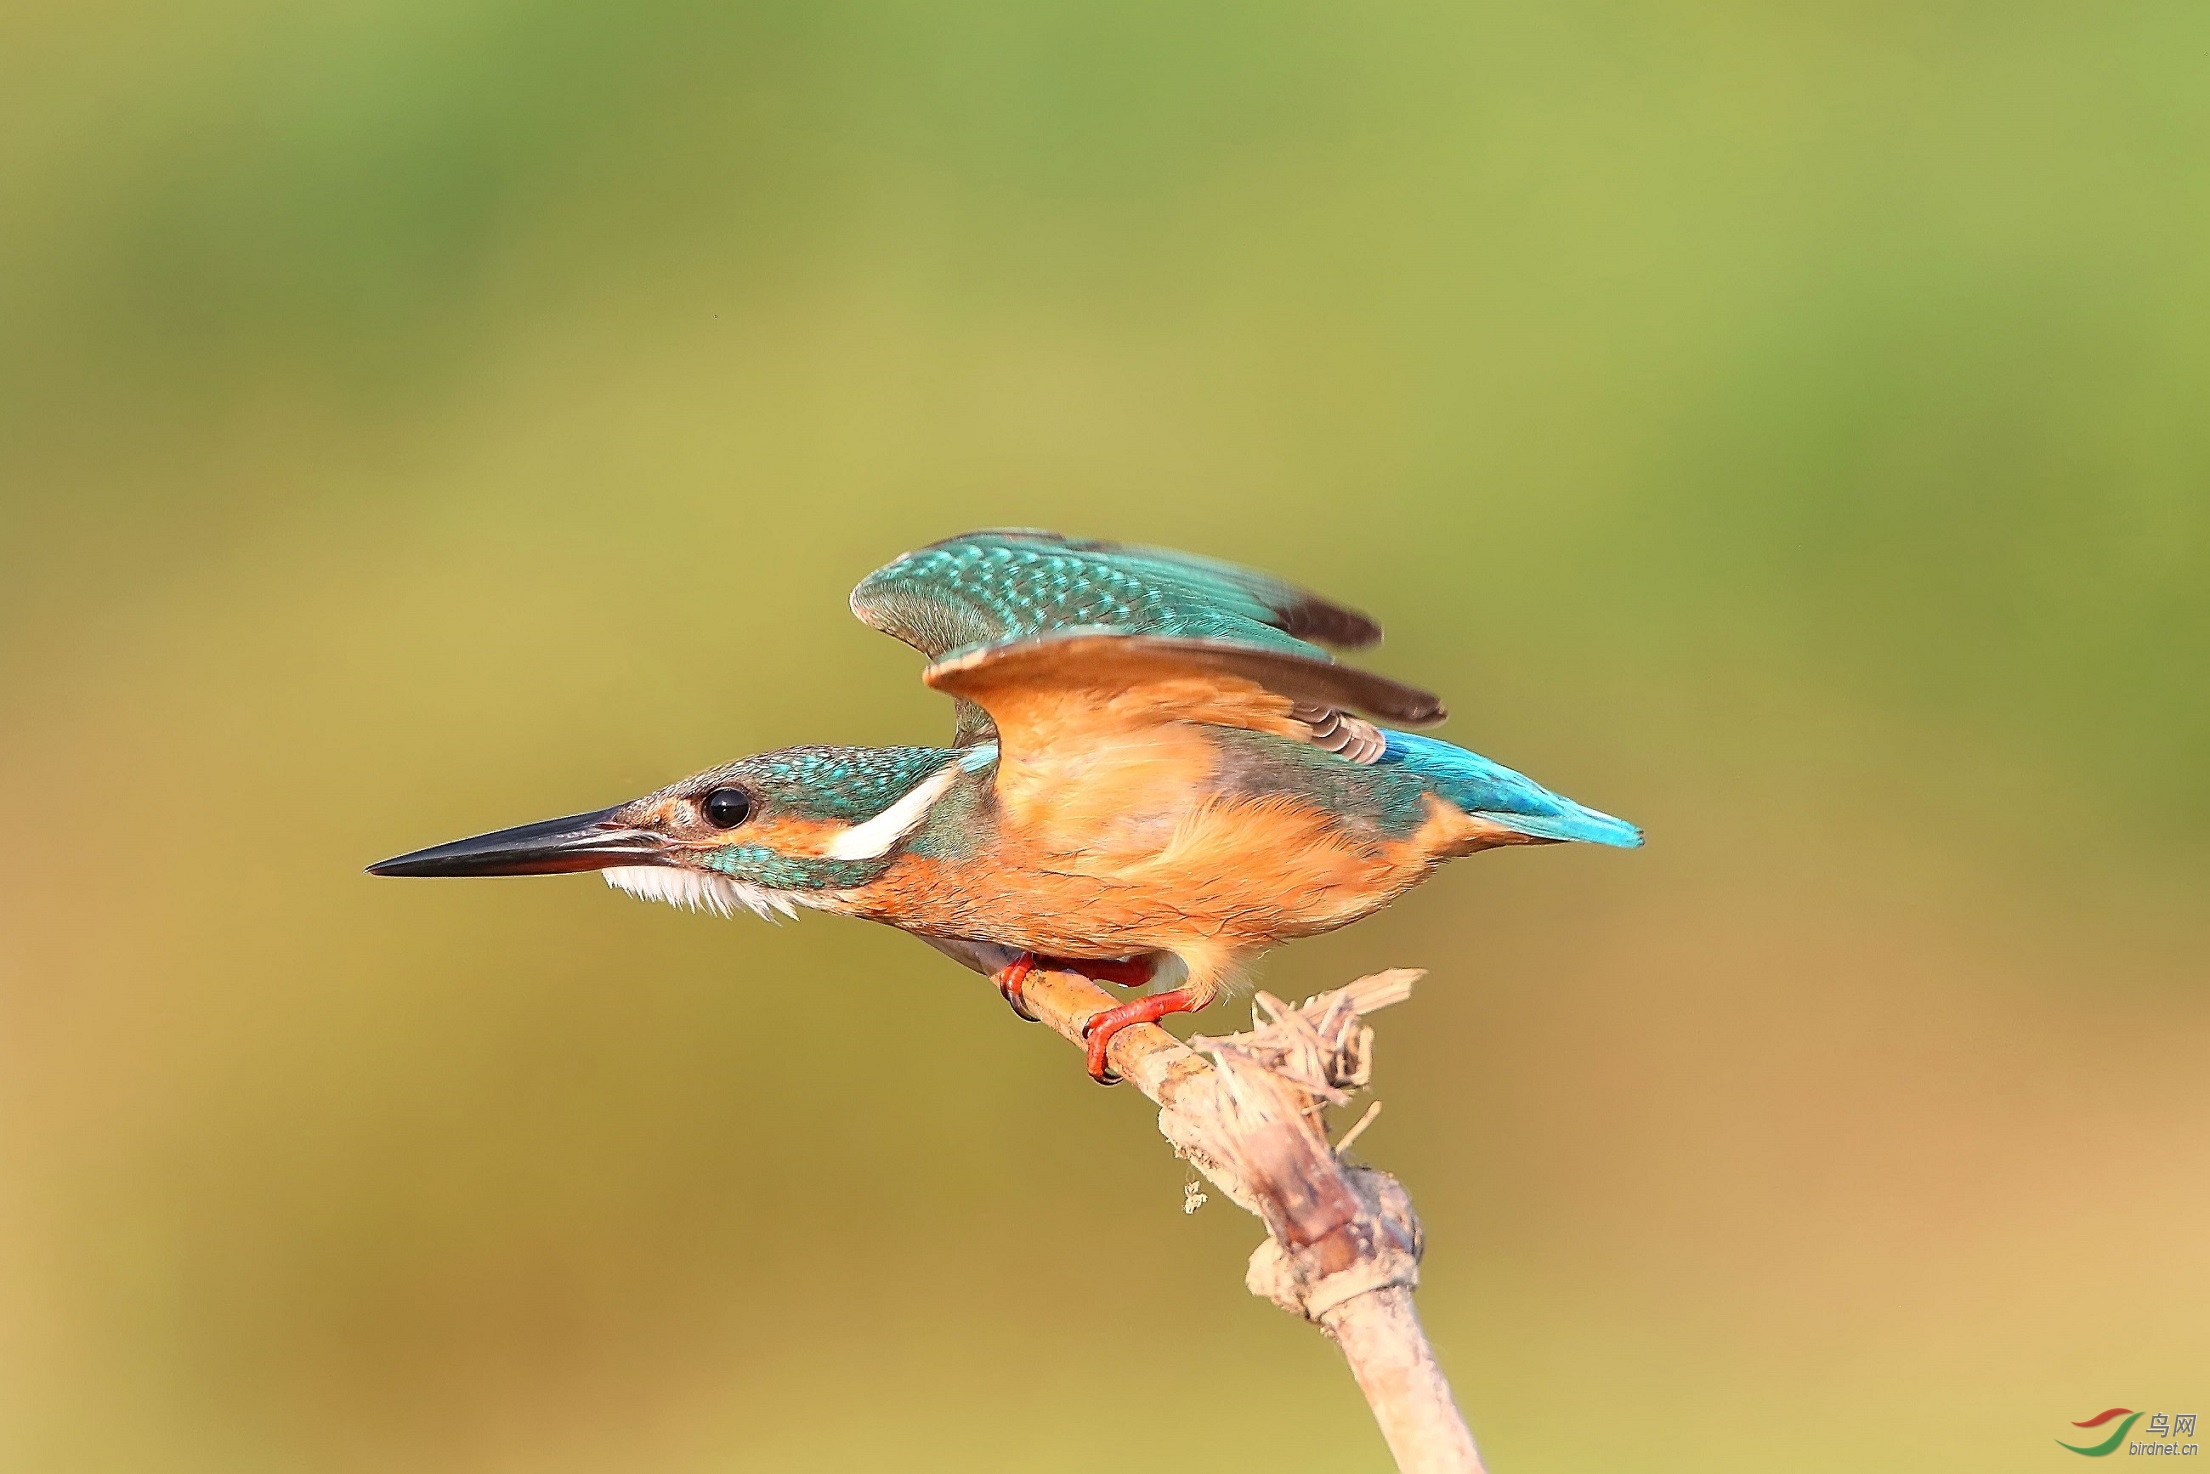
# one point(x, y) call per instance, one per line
point(1105, 1023)
point(1012, 978)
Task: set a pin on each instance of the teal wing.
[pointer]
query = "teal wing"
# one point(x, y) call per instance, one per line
point(1009, 585)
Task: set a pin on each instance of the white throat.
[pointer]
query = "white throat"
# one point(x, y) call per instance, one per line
point(702, 890)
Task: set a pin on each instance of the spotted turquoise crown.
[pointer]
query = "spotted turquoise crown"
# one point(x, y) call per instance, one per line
point(843, 784)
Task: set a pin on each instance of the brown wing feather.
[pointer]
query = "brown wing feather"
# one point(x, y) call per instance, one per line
point(1048, 687)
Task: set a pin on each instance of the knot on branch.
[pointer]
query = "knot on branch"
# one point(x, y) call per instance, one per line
point(1253, 1125)
point(1378, 1248)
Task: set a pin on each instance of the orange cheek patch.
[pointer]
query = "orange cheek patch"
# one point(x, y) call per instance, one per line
point(784, 834)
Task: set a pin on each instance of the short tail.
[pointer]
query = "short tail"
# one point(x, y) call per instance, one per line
point(1496, 793)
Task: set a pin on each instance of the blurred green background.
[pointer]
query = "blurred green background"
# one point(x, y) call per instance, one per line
point(1784, 427)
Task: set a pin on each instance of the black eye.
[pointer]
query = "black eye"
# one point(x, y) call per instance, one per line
point(726, 808)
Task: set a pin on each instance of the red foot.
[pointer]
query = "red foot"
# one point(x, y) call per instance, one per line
point(1012, 978)
point(1104, 1024)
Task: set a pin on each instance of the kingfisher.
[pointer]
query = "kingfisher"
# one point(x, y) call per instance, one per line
point(1157, 772)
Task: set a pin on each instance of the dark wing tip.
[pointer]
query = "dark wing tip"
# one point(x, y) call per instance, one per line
point(1382, 697)
point(1314, 618)
point(1417, 709)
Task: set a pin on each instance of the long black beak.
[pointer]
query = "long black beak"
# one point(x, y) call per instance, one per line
point(552, 847)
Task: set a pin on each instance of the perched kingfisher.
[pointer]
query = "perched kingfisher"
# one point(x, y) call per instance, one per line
point(1156, 775)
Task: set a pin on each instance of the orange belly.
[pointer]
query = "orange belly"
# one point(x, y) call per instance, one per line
point(1225, 881)
point(1127, 842)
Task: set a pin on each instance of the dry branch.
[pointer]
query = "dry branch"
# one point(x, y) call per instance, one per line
point(1343, 1246)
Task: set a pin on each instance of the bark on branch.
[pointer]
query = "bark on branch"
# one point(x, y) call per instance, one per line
point(1343, 1245)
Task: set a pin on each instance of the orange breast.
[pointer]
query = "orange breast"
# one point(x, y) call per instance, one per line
point(1125, 848)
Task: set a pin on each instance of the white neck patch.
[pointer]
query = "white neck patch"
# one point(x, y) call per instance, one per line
point(873, 839)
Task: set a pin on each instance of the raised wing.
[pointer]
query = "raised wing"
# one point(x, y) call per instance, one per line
point(1201, 680)
point(983, 587)
point(1000, 587)
point(1097, 699)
